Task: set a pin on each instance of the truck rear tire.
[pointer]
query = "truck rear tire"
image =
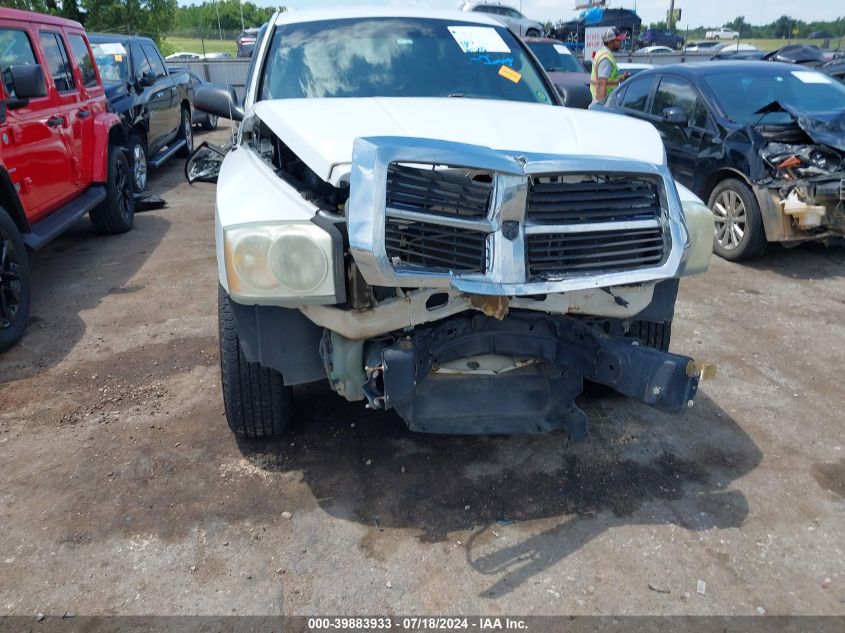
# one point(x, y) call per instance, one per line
point(257, 402)
point(116, 214)
point(15, 283)
point(138, 152)
point(186, 133)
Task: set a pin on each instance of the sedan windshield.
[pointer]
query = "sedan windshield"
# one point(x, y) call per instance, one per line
point(399, 57)
point(555, 57)
point(740, 95)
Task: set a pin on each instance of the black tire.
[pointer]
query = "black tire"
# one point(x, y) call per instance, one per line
point(255, 398)
point(210, 122)
point(116, 214)
point(139, 161)
point(186, 133)
point(679, 45)
point(15, 283)
point(651, 334)
point(735, 208)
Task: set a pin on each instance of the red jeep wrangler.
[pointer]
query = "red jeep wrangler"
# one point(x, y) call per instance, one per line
point(62, 154)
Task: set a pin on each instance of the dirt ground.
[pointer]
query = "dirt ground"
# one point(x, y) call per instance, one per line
point(122, 490)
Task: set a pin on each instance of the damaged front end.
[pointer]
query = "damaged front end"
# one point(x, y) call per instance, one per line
point(800, 177)
point(479, 374)
point(499, 284)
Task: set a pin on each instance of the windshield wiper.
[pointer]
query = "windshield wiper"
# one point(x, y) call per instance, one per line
point(468, 95)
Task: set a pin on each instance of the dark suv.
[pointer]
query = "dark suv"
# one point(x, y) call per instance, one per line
point(62, 154)
point(623, 19)
point(659, 37)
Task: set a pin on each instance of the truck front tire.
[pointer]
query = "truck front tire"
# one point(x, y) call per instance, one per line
point(257, 402)
point(116, 214)
point(15, 283)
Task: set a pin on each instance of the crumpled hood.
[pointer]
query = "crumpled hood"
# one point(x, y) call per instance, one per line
point(321, 132)
point(824, 128)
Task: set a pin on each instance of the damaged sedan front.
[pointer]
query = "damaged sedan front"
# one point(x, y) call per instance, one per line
point(762, 143)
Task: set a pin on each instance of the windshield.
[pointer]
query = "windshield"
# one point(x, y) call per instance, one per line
point(555, 57)
point(740, 95)
point(112, 61)
point(399, 57)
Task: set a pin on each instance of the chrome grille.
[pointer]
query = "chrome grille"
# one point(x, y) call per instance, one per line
point(433, 246)
point(606, 251)
point(569, 199)
point(436, 190)
point(426, 213)
point(436, 219)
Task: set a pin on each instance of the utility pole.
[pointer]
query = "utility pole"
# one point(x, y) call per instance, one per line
point(241, 7)
point(219, 28)
point(670, 19)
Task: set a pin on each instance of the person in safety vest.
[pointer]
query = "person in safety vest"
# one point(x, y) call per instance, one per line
point(605, 76)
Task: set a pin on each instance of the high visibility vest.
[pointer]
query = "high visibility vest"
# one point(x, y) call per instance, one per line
point(613, 80)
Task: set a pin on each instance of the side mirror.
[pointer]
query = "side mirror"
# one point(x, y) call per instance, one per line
point(28, 83)
point(204, 164)
point(147, 79)
point(575, 96)
point(674, 115)
point(220, 100)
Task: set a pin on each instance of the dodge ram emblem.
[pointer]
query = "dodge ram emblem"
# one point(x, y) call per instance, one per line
point(510, 229)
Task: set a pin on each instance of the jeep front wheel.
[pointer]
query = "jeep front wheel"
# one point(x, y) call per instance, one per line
point(14, 283)
point(256, 400)
point(116, 214)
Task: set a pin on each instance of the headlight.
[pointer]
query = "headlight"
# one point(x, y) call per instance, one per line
point(278, 261)
point(700, 226)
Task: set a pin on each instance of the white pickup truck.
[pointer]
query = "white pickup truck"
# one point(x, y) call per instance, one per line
point(409, 212)
point(721, 34)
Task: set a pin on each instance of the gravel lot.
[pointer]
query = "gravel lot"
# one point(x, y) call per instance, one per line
point(122, 490)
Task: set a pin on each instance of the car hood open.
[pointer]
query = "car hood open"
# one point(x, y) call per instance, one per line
point(321, 132)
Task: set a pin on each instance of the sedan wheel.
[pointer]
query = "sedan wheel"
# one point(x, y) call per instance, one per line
point(740, 233)
point(729, 212)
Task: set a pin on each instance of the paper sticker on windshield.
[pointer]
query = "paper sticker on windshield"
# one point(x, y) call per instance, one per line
point(479, 39)
point(811, 77)
point(560, 48)
point(110, 48)
point(118, 58)
point(510, 74)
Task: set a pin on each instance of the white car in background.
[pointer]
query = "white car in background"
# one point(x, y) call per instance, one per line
point(508, 16)
point(431, 232)
point(183, 56)
point(653, 50)
point(721, 34)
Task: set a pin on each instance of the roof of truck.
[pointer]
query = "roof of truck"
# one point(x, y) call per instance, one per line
point(40, 18)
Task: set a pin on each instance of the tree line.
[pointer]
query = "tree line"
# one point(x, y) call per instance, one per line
point(153, 18)
point(784, 27)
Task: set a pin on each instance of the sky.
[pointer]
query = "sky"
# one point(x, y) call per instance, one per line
point(695, 12)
